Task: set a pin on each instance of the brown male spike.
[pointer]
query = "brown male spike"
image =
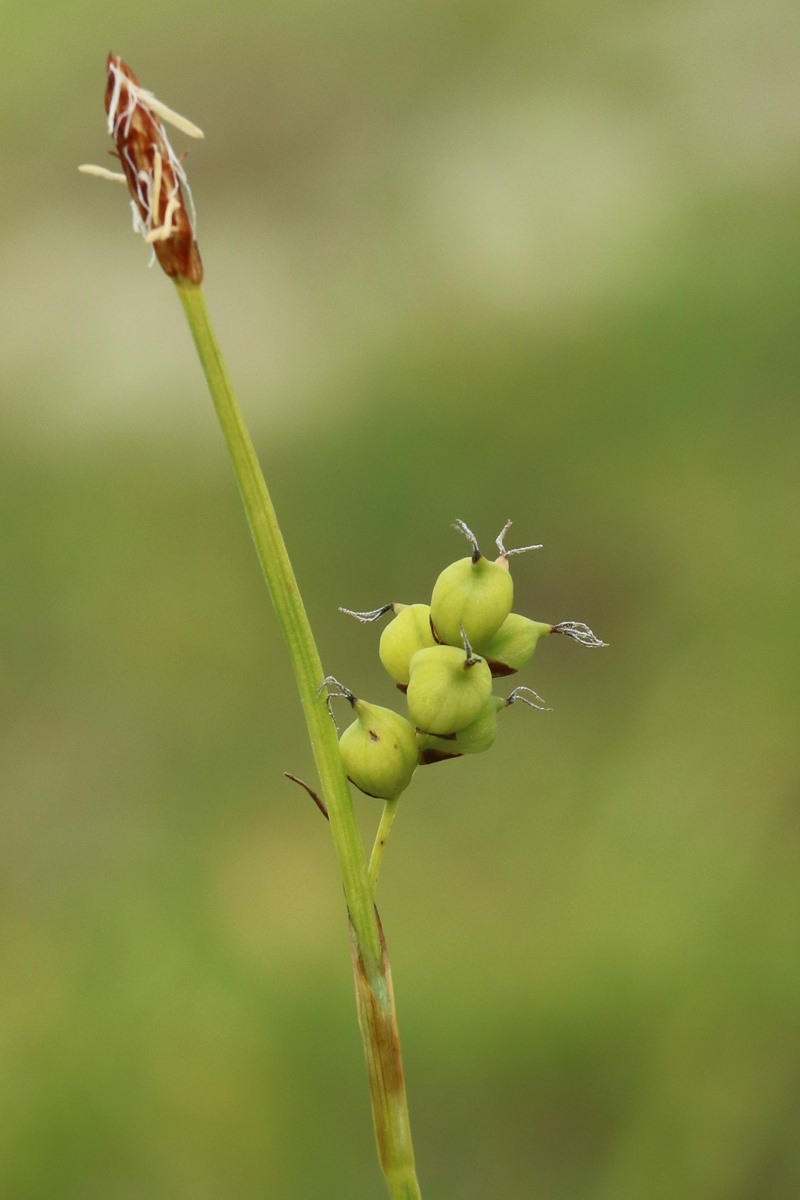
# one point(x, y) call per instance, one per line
point(153, 172)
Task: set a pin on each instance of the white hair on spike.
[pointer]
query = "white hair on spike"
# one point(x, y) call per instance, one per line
point(138, 224)
point(114, 101)
point(156, 188)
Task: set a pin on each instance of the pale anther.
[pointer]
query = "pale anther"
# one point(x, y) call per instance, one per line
point(169, 115)
point(102, 173)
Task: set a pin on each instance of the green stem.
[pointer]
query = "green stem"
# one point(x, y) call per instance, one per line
point(291, 613)
point(373, 979)
point(387, 816)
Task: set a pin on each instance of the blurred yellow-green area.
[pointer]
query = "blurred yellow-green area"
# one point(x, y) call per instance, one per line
point(467, 260)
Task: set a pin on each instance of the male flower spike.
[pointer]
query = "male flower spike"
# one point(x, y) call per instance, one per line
point(153, 172)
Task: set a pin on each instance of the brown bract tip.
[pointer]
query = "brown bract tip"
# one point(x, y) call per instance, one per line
point(153, 172)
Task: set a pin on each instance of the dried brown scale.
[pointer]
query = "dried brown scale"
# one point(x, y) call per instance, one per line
point(148, 160)
point(428, 757)
point(498, 669)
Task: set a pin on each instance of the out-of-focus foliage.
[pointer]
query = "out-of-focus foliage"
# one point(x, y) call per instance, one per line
point(468, 260)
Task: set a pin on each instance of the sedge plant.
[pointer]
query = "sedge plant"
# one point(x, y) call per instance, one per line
point(444, 656)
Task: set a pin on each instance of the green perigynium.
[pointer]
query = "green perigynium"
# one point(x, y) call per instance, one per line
point(447, 688)
point(409, 632)
point(474, 739)
point(379, 749)
point(477, 737)
point(474, 594)
point(513, 644)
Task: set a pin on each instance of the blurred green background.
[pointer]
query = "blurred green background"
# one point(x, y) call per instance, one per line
point(477, 260)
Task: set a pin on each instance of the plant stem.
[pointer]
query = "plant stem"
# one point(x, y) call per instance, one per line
point(375, 997)
point(387, 816)
point(386, 1084)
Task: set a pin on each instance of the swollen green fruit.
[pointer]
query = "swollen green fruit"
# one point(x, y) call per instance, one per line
point(409, 632)
point(476, 738)
point(447, 688)
point(475, 594)
point(513, 644)
point(379, 750)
